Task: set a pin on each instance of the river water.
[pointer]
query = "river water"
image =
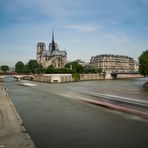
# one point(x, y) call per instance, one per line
point(56, 117)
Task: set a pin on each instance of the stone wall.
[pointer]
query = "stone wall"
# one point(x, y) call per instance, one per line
point(125, 76)
point(84, 77)
point(108, 76)
point(53, 78)
point(49, 78)
point(1, 78)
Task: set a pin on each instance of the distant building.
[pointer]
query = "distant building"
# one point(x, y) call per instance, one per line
point(110, 62)
point(79, 61)
point(136, 66)
point(53, 56)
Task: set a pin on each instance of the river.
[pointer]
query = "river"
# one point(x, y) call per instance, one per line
point(56, 117)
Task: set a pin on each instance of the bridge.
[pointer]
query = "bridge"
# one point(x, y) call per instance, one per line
point(122, 75)
point(17, 77)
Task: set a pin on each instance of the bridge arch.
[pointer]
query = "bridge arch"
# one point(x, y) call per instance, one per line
point(7, 78)
point(17, 77)
point(28, 77)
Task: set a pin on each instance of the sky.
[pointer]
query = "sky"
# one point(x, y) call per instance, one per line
point(83, 28)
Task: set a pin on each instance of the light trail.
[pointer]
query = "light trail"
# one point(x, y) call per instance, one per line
point(136, 106)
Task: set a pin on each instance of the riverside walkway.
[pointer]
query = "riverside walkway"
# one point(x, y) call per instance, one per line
point(12, 132)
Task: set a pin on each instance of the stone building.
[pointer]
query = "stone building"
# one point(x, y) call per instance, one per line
point(79, 61)
point(53, 56)
point(113, 63)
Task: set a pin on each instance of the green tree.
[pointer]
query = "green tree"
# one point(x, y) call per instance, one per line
point(143, 61)
point(32, 66)
point(71, 65)
point(79, 69)
point(74, 66)
point(4, 68)
point(90, 70)
point(26, 70)
point(19, 67)
point(98, 70)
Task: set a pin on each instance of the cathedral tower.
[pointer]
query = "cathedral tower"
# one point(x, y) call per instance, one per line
point(41, 47)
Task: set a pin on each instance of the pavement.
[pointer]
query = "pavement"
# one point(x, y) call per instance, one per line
point(12, 131)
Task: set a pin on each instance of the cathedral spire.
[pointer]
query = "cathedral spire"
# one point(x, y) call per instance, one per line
point(52, 36)
point(53, 43)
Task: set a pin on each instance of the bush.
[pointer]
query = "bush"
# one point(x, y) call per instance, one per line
point(76, 76)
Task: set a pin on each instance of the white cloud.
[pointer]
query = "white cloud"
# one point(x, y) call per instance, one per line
point(82, 28)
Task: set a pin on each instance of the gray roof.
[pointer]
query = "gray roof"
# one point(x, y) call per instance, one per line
point(54, 53)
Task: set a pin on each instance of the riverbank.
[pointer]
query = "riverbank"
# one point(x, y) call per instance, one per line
point(12, 132)
point(62, 78)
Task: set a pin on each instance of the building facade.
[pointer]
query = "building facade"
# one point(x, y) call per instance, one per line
point(113, 63)
point(51, 57)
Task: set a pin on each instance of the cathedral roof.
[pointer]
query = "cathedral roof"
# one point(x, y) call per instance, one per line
point(58, 53)
point(54, 53)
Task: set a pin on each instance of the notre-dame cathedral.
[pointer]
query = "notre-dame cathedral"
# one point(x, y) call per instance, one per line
point(53, 56)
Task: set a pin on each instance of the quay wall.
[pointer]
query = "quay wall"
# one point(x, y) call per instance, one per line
point(49, 78)
point(125, 76)
point(108, 76)
point(1, 78)
point(85, 77)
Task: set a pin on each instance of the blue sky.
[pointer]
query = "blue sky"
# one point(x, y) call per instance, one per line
point(83, 28)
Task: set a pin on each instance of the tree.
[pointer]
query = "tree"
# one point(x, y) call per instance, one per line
point(88, 69)
point(79, 69)
point(74, 66)
point(19, 67)
point(71, 65)
point(26, 70)
point(98, 70)
point(143, 61)
point(4, 68)
point(32, 65)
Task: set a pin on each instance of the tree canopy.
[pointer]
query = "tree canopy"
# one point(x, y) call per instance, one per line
point(31, 67)
point(143, 61)
point(74, 66)
point(19, 67)
point(4, 68)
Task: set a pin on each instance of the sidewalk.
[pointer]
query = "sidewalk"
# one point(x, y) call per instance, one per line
point(12, 133)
